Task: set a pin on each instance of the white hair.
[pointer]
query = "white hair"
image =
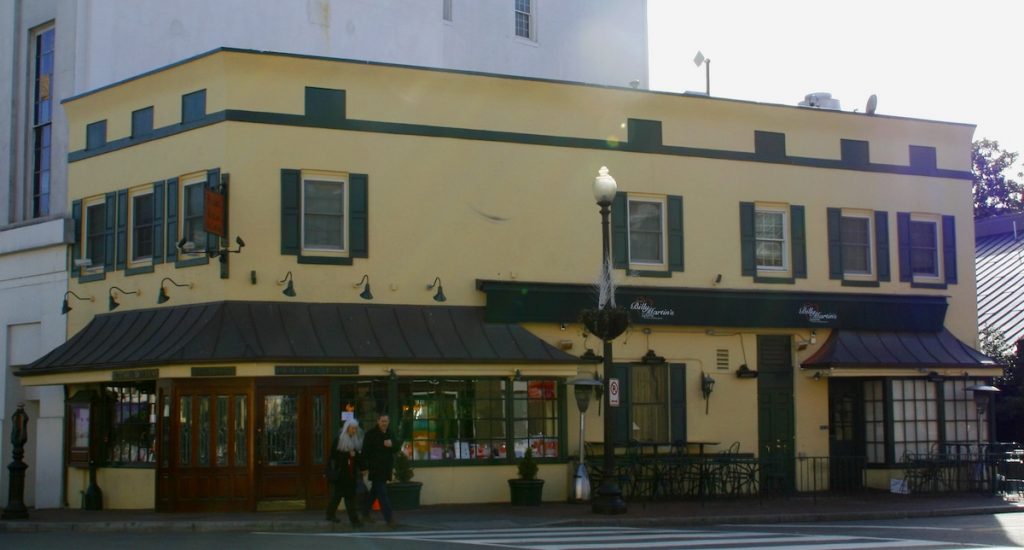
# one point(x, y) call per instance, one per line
point(347, 442)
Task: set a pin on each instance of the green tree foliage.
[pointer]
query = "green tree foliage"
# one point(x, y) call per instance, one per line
point(994, 192)
point(1010, 400)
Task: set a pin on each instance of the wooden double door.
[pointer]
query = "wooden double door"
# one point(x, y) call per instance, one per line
point(230, 445)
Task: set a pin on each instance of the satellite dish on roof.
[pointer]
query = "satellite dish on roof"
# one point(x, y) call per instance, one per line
point(872, 104)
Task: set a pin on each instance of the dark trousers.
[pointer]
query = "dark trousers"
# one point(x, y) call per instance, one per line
point(350, 504)
point(379, 492)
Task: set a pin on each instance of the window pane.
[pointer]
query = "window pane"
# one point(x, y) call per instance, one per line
point(649, 402)
point(193, 211)
point(142, 226)
point(924, 254)
point(645, 224)
point(323, 204)
point(855, 234)
point(94, 227)
point(132, 435)
point(241, 431)
point(280, 423)
point(770, 234)
point(222, 430)
point(184, 430)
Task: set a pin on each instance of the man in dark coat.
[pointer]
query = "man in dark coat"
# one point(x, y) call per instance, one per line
point(344, 468)
point(379, 448)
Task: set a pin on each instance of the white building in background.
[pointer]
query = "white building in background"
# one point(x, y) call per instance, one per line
point(54, 49)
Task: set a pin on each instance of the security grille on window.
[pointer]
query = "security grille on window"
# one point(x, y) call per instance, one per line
point(770, 235)
point(855, 239)
point(132, 437)
point(924, 248)
point(323, 215)
point(193, 231)
point(142, 227)
point(524, 18)
point(645, 232)
point(95, 224)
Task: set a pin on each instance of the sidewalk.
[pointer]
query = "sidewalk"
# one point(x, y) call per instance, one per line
point(476, 516)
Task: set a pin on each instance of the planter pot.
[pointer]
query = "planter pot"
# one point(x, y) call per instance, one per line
point(607, 323)
point(526, 492)
point(404, 495)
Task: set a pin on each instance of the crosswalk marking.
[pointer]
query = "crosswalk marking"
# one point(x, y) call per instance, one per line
point(593, 538)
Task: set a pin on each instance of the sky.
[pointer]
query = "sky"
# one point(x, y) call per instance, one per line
point(955, 61)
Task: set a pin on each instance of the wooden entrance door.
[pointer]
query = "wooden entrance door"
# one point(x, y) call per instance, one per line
point(205, 446)
point(845, 434)
point(292, 438)
point(776, 427)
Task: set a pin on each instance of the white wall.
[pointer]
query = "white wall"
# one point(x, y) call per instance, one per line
point(594, 41)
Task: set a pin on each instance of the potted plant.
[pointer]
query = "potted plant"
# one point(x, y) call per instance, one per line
point(404, 493)
point(526, 490)
point(607, 323)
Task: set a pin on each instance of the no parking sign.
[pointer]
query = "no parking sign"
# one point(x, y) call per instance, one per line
point(613, 392)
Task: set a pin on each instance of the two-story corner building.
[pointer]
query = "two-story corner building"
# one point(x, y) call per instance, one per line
point(261, 238)
point(54, 49)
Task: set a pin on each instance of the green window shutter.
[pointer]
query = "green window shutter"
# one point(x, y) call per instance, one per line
point(675, 233)
point(358, 216)
point(158, 222)
point(882, 245)
point(76, 246)
point(291, 211)
point(109, 214)
point(799, 244)
point(949, 248)
point(620, 231)
point(623, 425)
point(212, 182)
point(747, 253)
point(903, 236)
point(835, 248)
point(677, 401)
point(122, 226)
point(172, 219)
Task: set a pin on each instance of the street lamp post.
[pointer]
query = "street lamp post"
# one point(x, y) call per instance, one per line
point(608, 499)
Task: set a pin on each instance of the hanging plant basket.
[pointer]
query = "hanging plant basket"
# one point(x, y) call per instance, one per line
point(606, 323)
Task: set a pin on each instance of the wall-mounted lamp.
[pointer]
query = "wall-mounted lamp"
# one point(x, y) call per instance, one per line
point(817, 375)
point(801, 344)
point(112, 303)
point(365, 294)
point(163, 297)
point(392, 375)
point(518, 377)
point(439, 295)
point(934, 377)
point(707, 385)
point(718, 279)
point(744, 372)
point(223, 252)
point(650, 358)
point(65, 308)
point(289, 290)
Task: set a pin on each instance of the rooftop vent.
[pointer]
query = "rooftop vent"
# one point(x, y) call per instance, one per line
point(820, 100)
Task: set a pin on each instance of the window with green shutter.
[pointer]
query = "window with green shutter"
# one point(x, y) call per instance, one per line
point(652, 402)
point(773, 246)
point(927, 249)
point(324, 216)
point(647, 234)
point(858, 248)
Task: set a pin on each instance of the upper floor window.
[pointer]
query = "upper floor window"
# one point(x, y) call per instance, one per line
point(927, 245)
point(323, 213)
point(142, 215)
point(646, 231)
point(192, 213)
point(524, 19)
point(858, 246)
point(95, 232)
point(42, 106)
point(855, 236)
point(924, 248)
point(770, 238)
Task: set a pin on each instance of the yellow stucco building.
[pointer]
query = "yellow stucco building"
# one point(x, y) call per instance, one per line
point(281, 235)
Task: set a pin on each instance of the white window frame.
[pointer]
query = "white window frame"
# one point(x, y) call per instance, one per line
point(663, 232)
point(786, 238)
point(531, 18)
point(871, 253)
point(132, 195)
point(936, 223)
point(331, 177)
point(184, 183)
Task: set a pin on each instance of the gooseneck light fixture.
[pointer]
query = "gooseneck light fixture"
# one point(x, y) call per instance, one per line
point(439, 295)
point(163, 297)
point(223, 252)
point(65, 308)
point(365, 294)
point(289, 290)
point(608, 497)
point(112, 303)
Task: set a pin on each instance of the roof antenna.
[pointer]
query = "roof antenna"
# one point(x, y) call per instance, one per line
point(699, 60)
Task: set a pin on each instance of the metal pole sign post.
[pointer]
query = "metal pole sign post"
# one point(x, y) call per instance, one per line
point(613, 392)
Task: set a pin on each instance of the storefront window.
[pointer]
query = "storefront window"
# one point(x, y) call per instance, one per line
point(964, 428)
point(915, 417)
point(132, 424)
point(477, 420)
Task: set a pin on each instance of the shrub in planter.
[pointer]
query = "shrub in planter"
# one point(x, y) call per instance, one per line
point(404, 493)
point(526, 490)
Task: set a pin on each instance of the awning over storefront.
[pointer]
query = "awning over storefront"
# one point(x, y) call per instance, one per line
point(221, 332)
point(900, 350)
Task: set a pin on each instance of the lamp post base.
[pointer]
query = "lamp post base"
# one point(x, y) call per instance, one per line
point(608, 500)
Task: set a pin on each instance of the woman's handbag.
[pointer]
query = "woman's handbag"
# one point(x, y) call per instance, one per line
point(331, 471)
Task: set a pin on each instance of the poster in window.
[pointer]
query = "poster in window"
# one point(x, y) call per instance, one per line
point(80, 426)
point(540, 389)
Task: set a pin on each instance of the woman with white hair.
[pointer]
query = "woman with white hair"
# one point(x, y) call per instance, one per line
point(343, 469)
